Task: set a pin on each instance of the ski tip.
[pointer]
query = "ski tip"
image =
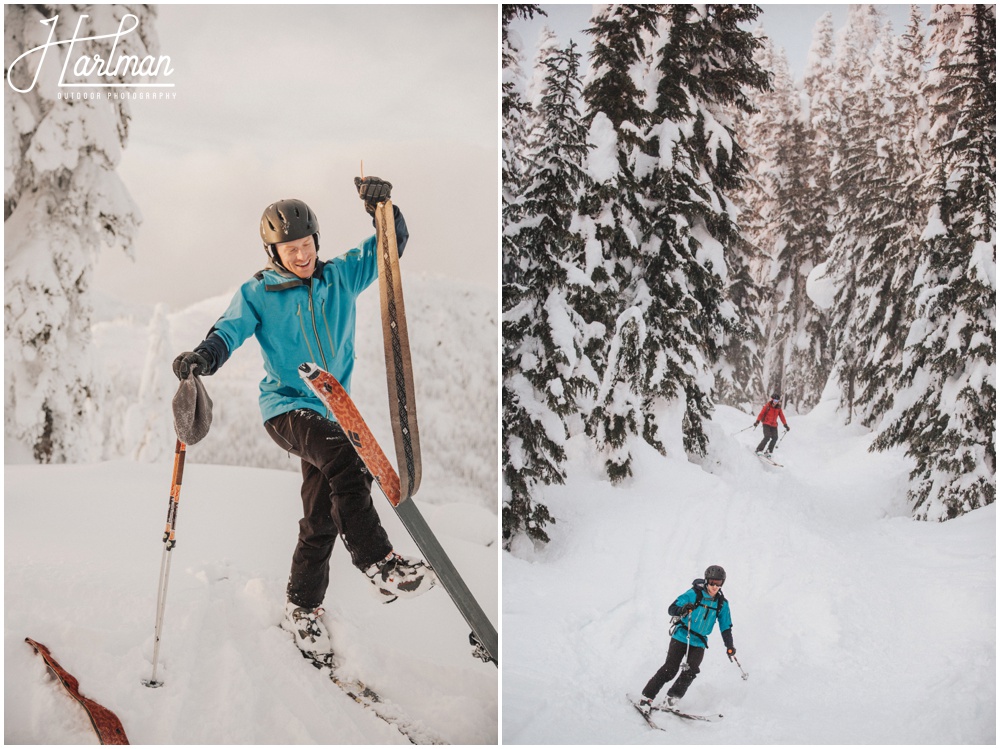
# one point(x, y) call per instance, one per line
point(308, 370)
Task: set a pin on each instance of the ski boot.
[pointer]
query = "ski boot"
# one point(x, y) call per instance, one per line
point(310, 633)
point(397, 576)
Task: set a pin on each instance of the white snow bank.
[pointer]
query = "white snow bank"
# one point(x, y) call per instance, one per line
point(82, 556)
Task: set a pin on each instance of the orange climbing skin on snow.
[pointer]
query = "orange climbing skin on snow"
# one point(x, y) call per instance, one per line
point(109, 728)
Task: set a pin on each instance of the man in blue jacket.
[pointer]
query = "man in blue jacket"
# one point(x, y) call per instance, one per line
point(697, 612)
point(300, 309)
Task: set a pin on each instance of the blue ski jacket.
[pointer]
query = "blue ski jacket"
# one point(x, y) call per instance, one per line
point(299, 320)
point(698, 625)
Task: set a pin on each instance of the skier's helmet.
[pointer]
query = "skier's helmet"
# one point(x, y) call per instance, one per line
point(715, 572)
point(286, 221)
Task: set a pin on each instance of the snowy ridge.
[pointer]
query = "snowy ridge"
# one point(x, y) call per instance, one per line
point(855, 623)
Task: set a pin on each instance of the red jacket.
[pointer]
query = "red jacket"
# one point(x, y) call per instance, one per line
point(770, 414)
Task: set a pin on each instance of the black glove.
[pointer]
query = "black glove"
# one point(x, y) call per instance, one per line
point(787, 428)
point(687, 609)
point(755, 424)
point(189, 363)
point(373, 191)
point(727, 637)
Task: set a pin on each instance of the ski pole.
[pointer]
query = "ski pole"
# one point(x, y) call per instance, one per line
point(744, 673)
point(169, 541)
point(685, 665)
point(743, 430)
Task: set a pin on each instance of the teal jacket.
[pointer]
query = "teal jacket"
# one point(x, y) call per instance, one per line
point(299, 320)
point(698, 625)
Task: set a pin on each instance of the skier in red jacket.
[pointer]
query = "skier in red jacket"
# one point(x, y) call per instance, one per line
point(769, 415)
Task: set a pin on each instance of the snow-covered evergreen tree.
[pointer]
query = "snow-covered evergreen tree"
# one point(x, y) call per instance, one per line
point(548, 368)
point(897, 207)
point(704, 71)
point(617, 117)
point(63, 202)
point(778, 200)
point(856, 176)
point(945, 411)
point(524, 467)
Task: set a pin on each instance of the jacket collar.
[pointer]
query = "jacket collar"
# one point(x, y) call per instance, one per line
point(277, 278)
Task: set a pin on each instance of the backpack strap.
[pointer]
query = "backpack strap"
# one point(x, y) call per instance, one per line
point(677, 623)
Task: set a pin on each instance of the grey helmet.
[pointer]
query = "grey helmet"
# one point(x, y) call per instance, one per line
point(286, 221)
point(715, 572)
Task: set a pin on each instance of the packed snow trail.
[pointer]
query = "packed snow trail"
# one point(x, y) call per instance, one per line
point(855, 623)
point(82, 551)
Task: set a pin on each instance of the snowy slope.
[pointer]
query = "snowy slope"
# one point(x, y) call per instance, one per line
point(81, 563)
point(855, 623)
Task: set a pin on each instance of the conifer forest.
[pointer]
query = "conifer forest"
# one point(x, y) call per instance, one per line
point(685, 224)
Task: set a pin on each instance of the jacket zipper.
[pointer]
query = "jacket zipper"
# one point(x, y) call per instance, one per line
point(312, 314)
point(326, 324)
point(305, 335)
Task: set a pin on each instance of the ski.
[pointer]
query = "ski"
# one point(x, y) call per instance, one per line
point(647, 714)
point(395, 340)
point(766, 459)
point(109, 729)
point(332, 393)
point(689, 716)
point(644, 713)
point(413, 731)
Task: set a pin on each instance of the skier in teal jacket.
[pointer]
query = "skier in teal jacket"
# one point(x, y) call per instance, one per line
point(696, 613)
point(302, 309)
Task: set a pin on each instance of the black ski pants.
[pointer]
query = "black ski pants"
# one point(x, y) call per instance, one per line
point(770, 433)
point(675, 654)
point(336, 500)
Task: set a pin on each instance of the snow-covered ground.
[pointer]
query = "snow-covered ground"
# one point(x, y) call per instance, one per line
point(856, 624)
point(83, 547)
point(82, 558)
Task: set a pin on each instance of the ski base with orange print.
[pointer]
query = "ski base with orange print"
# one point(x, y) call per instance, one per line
point(484, 635)
point(109, 729)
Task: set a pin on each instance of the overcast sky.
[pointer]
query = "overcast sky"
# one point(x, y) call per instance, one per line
point(285, 101)
point(789, 26)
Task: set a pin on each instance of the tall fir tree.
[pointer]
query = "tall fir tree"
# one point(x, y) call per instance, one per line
point(892, 224)
point(800, 359)
point(945, 411)
point(856, 174)
point(519, 512)
point(547, 368)
point(617, 118)
point(704, 70)
point(782, 197)
point(63, 203)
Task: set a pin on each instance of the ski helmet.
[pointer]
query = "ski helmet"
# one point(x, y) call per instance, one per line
point(776, 396)
point(286, 221)
point(715, 572)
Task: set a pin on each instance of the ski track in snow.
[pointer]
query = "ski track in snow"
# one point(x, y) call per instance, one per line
point(82, 555)
point(855, 623)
